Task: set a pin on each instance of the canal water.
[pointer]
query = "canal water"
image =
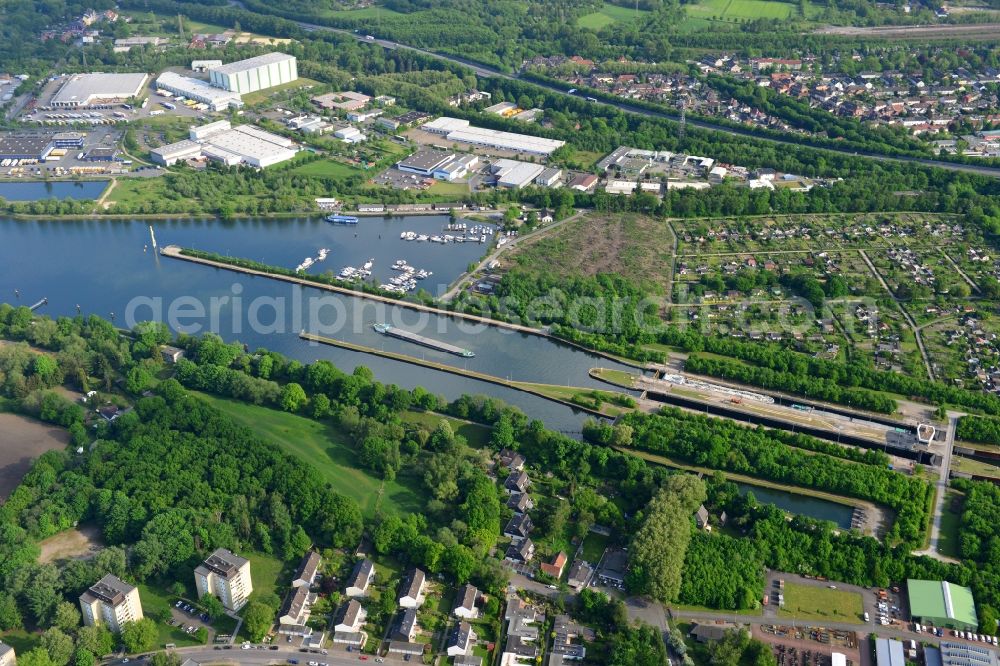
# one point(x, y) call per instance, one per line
point(102, 267)
point(840, 514)
point(36, 190)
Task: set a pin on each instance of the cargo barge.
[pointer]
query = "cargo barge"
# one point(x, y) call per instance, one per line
point(386, 329)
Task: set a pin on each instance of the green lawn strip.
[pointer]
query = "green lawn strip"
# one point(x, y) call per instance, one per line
point(949, 543)
point(267, 573)
point(327, 449)
point(809, 602)
point(576, 395)
point(612, 376)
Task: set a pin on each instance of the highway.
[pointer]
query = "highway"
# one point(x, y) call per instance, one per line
point(485, 71)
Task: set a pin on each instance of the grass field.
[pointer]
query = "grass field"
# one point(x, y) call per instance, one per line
point(266, 573)
point(262, 95)
point(809, 602)
point(328, 450)
point(326, 169)
point(742, 10)
point(444, 189)
point(608, 15)
point(636, 247)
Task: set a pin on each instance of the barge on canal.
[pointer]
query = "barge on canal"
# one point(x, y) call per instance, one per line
point(391, 331)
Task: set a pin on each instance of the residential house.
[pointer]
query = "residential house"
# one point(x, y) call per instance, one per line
point(517, 482)
point(580, 574)
point(411, 590)
point(520, 502)
point(521, 551)
point(566, 639)
point(555, 567)
point(350, 617)
point(511, 460)
point(296, 612)
point(361, 578)
point(227, 576)
point(465, 602)
point(7, 656)
point(461, 639)
point(519, 527)
point(110, 602)
point(613, 566)
point(305, 575)
point(701, 518)
point(405, 628)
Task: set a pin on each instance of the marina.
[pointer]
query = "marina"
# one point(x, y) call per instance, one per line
point(477, 233)
point(409, 336)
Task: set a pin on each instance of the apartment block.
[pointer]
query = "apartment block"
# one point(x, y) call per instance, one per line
point(227, 576)
point(110, 602)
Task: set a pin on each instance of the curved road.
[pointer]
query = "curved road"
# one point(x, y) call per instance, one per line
point(486, 71)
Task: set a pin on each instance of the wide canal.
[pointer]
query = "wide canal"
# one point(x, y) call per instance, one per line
point(107, 267)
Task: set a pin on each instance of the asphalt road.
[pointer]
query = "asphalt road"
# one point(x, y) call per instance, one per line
point(484, 71)
point(942, 488)
point(337, 656)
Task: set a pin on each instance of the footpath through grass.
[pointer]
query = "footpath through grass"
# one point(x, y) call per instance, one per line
point(809, 602)
point(328, 450)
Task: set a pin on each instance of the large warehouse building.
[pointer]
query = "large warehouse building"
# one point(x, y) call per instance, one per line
point(960, 654)
point(196, 89)
point(89, 89)
point(456, 129)
point(25, 146)
point(941, 604)
point(247, 76)
point(244, 144)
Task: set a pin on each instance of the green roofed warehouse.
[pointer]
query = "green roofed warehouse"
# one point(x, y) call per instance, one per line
point(942, 604)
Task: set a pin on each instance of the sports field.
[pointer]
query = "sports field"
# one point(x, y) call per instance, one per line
point(608, 15)
point(729, 10)
point(327, 450)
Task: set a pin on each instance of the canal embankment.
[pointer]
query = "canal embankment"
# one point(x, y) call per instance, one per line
point(553, 392)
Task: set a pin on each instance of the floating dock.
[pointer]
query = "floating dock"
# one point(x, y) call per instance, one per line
point(399, 333)
point(44, 301)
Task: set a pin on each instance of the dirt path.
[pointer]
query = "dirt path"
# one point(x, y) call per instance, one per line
point(102, 202)
point(22, 440)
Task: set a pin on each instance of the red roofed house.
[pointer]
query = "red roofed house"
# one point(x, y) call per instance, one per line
point(555, 568)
